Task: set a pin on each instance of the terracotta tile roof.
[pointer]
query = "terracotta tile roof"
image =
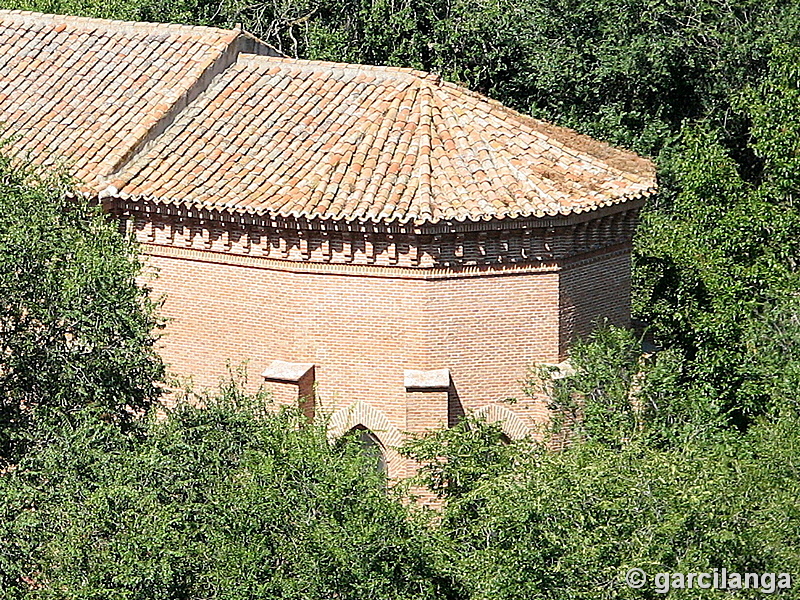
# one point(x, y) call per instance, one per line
point(337, 141)
point(88, 90)
point(289, 137)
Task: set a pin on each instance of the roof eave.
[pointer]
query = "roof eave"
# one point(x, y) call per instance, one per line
point(193, 209)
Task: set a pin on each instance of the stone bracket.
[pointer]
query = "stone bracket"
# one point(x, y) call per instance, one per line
point(421, 381)
point(301, 375)
point(281, 371)
point(427, 395)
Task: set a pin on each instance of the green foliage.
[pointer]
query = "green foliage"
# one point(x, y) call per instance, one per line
point(75, 329)
point(173, 11)
point(453, 461)
point(568, 525)
point(773, 343)
point(618, 394)
point(772, 106)
point(227, 502)
point(717, 251)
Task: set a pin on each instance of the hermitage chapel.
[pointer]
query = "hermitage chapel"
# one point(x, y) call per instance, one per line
point(378, 245)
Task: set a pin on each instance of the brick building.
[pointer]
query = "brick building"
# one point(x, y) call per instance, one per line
point(385, 247)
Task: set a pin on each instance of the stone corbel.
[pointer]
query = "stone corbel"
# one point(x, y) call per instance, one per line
point(459, 248)
point(414, 253)
point(432, 380)
point(298, 375)
point(426, 398)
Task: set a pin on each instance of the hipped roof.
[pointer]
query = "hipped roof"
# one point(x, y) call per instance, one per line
point(204, 117)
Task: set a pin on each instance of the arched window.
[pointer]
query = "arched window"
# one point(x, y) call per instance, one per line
point(370, 446)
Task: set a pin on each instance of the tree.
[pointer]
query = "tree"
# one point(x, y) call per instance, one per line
point(75, 328)
point(719, 251)
point(230, 501)
point(568, 525)
point(619, 394)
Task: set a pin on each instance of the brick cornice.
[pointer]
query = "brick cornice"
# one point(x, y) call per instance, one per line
point(352, 270)
point(378, 271)
point(461, 251)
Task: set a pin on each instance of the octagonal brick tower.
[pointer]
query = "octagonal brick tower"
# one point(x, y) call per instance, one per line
point(382, 247)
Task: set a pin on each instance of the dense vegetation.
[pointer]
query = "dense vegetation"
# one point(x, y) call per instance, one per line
point(219, 503)
point(75, 329)
point(685, 460)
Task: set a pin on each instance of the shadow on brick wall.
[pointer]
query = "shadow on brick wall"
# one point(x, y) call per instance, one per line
point(455, 410)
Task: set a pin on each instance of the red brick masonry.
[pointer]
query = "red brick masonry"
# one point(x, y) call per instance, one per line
point(364, 323)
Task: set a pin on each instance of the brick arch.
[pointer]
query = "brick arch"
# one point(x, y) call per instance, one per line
point(510, 423)
point(361, 413)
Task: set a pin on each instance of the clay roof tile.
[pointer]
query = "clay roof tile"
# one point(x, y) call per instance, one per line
point(276, 135)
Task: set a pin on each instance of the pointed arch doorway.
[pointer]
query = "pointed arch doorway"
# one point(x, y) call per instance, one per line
point(371, 447)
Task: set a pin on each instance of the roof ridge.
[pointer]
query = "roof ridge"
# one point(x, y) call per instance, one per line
point(423, 164)
point(308, 65)
point(156, 123)
point(395, 138)
point(225, 47)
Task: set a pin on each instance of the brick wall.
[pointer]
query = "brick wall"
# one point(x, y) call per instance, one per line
point(488, 331)
point(362, 326)
point(594, 290)
point(361, 331)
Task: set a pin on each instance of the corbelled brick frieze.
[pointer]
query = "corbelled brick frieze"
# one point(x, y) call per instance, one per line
point(360, 244)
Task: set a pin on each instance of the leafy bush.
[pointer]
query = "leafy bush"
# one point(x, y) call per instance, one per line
point(618, 393)
point(718, 251)
point(568, 525)
point(75, 328)
point(229, 501)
